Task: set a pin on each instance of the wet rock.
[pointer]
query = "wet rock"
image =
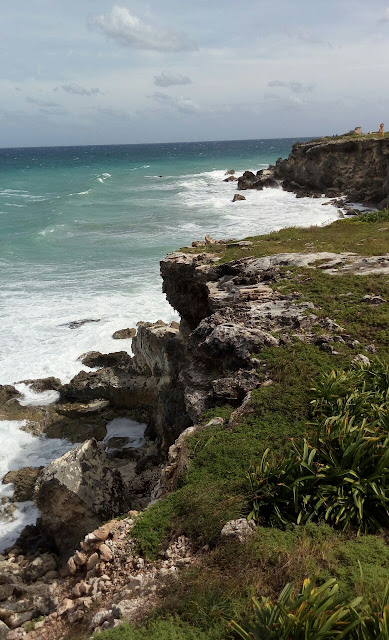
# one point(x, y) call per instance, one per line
point(24, 481)
point(230, 172)
point(79, 491)
point(8, 392)
point(44, 384)
point(75, 324)
point(124, 334)
point(238, 197)
point(230, 179)
point(240, 530)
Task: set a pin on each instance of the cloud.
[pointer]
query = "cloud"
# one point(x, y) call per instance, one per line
point(78, 90)
point(306, 36)
point(130, 31)
point(166, 79)
point(43, 104)
point(182, 105)
point(295, 87)
point(385, 16)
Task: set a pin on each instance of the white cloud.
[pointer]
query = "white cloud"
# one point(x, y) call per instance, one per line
point(385, 15)
point(166, 79)
point(130, 31)
point(78, 90)
point(295, 87)
point(182, 105)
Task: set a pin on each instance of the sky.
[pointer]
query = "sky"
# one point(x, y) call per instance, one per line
point(144, 71)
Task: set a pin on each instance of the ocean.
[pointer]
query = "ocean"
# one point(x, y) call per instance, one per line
point(82, 230)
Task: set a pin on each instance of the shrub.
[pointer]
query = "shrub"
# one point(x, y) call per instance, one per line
point(374, 216)
point(343, 476)
point(315, 613)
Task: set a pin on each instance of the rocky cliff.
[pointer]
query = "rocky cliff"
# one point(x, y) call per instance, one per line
point(355, 167)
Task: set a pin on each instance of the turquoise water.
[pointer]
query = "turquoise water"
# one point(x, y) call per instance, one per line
point(82, 230)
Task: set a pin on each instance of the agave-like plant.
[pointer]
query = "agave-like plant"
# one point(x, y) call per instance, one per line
point(342, 475)
point(375, 622)
point(315, 613)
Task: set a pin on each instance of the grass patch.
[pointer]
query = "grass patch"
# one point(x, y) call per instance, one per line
point(340, 236)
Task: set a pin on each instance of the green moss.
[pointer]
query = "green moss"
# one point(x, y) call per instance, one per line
point(153, 526)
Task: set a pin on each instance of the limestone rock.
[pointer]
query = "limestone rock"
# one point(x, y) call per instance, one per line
point(79, 491)
point(124, 334)
point(240, 530)
point(361, 360)
point(24, 480)
point(41, 565)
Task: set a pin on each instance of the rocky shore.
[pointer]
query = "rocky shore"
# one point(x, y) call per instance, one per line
point(80, 567)
point(355, 169)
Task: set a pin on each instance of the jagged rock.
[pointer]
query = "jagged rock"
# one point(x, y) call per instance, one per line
point(79, 491)
point(44, 384)
point(209, 240)
point(8, 392)
point(75, 409)
point(24, 481)
point(105, 615)
point(358, 166)
point(240, 530)
point(41, 565)
point(117, 360)
point(238, 197)
point(124, 334)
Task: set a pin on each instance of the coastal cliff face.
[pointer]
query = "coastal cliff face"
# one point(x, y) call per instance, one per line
point(254, 333)
point(357, 168)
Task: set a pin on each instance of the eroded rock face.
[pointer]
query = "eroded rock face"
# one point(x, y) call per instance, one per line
point(359, 168)
point(77, 492)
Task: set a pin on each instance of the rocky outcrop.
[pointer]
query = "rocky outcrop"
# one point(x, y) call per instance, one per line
point(77, 492)
point(355, 167)
point(24, 481)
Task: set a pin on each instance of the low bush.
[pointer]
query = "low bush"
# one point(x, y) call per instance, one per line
point(343, 476)
point(314, 614)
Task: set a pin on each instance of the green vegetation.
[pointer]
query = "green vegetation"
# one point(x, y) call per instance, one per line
point(343, 235)
point(343, 476)
point(340, 411)
point(316, 613)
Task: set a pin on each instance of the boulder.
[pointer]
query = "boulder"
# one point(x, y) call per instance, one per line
point(230, 172)
point(124, 334)
point(40, 566)
point(4, 631)
point(230, 179)
point(117, 360)
point(240, 530)
point(24, 480)
point(238, 197)
point(78, 492)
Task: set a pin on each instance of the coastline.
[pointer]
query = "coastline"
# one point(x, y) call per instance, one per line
point(237, 302)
